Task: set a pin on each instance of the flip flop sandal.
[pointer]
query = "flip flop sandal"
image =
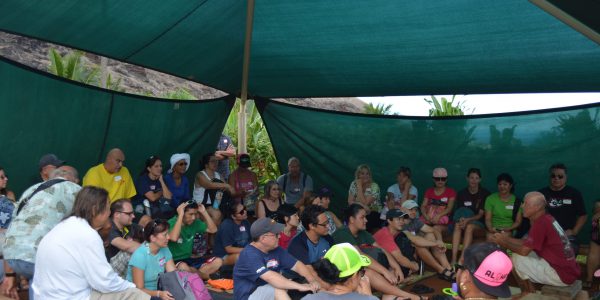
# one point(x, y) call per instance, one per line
point(421, 289)
point(446, 275)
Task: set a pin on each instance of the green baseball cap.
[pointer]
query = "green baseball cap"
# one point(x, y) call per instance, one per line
point(346, 258)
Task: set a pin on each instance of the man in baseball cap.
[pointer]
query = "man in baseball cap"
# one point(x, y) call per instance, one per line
point(429, 244)
point(48, 163)
point(484, 272)
point(258, 268)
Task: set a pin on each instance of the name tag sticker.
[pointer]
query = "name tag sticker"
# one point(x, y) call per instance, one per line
point(118, 178)
point(273, 263)
point(509, 207)
point(468, 203)
point(566, 201)
point(242, 228)
point(445, 199)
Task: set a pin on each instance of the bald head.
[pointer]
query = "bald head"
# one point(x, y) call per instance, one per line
point(114, 160)
point(67, 172)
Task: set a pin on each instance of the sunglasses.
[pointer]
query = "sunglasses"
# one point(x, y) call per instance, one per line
point(129, 213)
point(241, 212)
point(440, 178)
point(183, 163)
point(557, 176)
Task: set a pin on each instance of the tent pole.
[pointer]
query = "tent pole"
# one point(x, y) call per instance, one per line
point(244, 97)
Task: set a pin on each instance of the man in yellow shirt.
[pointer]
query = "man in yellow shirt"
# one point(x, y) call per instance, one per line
point(112, 176)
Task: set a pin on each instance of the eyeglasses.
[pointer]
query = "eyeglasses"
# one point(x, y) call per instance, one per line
point(440, 178)
point(183, 163)
point(130, 213)
point(557, 176)
point(324, 224)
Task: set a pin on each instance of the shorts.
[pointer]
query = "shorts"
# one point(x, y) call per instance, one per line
point(263, 292)
point(536, 269)
point(196, 262)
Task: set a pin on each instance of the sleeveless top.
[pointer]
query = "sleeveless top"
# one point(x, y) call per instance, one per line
point(270, 213)
point(198, 193)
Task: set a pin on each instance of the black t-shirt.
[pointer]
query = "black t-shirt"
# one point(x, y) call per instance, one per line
point(566, 205)
point(128, 232)
point(474, 202)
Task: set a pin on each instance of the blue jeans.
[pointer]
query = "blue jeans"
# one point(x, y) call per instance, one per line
point(25, 269)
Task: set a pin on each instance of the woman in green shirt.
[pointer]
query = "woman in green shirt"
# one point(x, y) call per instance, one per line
point(499, 207)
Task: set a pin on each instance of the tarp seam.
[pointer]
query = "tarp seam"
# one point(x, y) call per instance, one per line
point(166, 30)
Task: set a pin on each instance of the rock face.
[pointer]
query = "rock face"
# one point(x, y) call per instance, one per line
point(138, 80)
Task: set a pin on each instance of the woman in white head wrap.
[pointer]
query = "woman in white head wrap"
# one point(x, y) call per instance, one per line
point(176, 180)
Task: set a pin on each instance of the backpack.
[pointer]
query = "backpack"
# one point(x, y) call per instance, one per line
point(285, 181)
point(183, 285)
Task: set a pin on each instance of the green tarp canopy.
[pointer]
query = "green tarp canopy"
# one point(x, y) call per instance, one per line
point(321, 48)
point(45, 114)
point(330, 145)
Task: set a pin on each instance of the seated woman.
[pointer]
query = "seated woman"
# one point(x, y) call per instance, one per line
point(4, 191)
point(343, 267)
point(176, 180)
point(208, 179)
point(593, 258)
point(401, 191)
point(267, 207)
point(151, 186)
point(499, 207)
point(245, 183)
point(233, 234)
point(471, 276)
point(438, 202)
point(365, 192)
point(287, 214)
point(152, 258)
point(468, 215)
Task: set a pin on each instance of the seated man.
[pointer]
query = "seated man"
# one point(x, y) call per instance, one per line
point(387, 236)
point(112, 176)
point(355, 233)
point(121, 242)
point(310, 245)
point(545, 256)
point(257, 272)
point(183, 228)
point(432, 251)
point(233, 234)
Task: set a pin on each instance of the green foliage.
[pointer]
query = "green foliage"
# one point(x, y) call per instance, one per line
point(444, 108)
point(179, 94)
point(264, 163)
point(379, 109)
point(71, 66)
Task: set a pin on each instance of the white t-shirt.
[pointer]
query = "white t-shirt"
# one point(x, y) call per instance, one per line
point(395, 190)
point(198, 193)
point(72, 252)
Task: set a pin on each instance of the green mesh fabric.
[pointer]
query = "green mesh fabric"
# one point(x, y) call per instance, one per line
point(331, 145)
point(44, 114)
point(316, 48)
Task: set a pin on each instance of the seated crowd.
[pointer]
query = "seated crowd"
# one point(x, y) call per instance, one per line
point(115, 235)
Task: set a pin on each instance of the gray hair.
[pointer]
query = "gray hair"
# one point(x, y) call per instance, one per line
point(293, 159)
point(66, 172)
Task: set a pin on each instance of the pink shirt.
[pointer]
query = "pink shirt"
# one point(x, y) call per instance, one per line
point(385, 239)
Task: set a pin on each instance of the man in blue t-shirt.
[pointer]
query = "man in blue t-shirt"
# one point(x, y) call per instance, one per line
point(311, 244)
point(257, 271)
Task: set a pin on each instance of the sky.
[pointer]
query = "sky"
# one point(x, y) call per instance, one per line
point(486, 104)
